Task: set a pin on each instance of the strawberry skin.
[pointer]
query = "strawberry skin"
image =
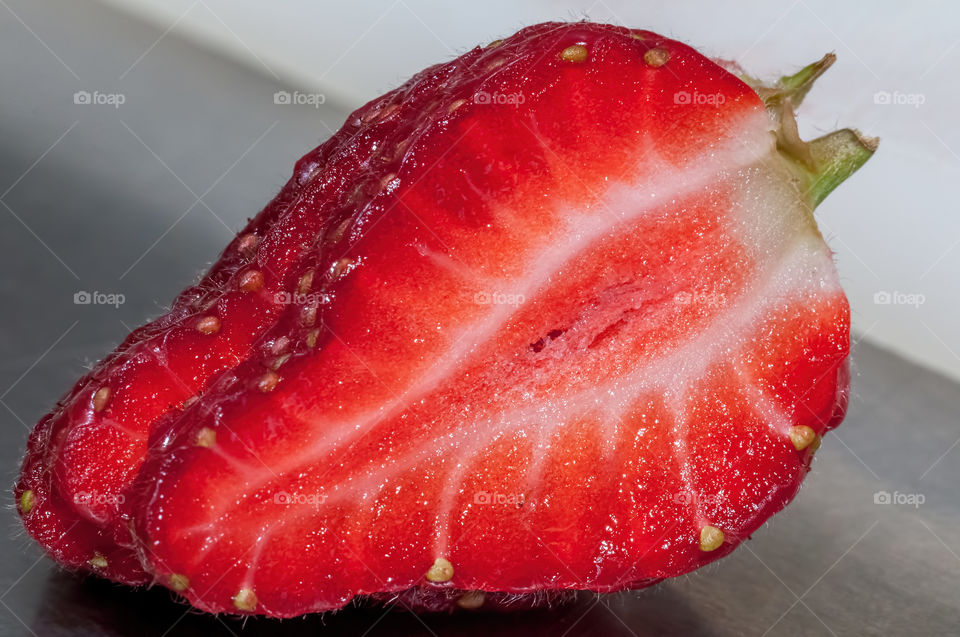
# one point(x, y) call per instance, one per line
point(552, 316)
point(83, 456)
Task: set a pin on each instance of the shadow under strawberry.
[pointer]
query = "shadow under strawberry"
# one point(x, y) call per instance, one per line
point(73, 603)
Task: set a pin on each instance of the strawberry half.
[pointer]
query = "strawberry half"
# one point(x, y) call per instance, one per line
point(552, 316)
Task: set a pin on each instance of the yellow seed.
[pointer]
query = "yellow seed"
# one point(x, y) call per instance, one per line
point(387, 180)
point(471, 600)
point(251, 281)
point(280, 346)
point(441, 571)
point(636, 36)
point(340, 230)
point(268, 382)
point(359, 193)
point(208, 325)
point(656, 57)
point(401, 148)
point(388, 112)
point(494, 44)
point(310, 175)
point(802, 437)
point(246, 599)
point(306, 282)
point(98, 561)
point(816, 444)
point(279, 361)
point(179, 582)
point(574, 53)
point(26, 501)
point(341, 267)
point(308, 315)
point(206, 437)
point(247, 243)
point(457, 104)
point(312, 337)
point(189, 401)
point(710, 538)
point(101, 398)
point(379, 114)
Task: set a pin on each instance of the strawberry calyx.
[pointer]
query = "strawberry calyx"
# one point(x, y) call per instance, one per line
point(793, 88)
point(821, 164)
point(836, 156)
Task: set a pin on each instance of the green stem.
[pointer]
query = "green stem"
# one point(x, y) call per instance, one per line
point(836, 156)
point(795, 87)
point(827, 161)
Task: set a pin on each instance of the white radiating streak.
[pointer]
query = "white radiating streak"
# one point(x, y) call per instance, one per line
point(790, 268)
point(680, 441)
point(763, 405)
point(454, 266)
point(622, 204)
point(799, 273)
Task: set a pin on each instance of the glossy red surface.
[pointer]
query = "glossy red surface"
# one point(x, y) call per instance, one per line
point(520, 314)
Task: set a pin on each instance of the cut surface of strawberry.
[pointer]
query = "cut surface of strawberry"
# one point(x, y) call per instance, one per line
point(552, 316)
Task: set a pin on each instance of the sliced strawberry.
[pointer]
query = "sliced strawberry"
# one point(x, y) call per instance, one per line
point(87, 451)
point(68, 538)
point(83, 456)
point(554, 315)
point(571, 326)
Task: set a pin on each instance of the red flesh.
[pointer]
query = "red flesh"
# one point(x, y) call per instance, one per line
point(404, 217)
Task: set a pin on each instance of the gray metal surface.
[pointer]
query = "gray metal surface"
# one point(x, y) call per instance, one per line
point(135, 200)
